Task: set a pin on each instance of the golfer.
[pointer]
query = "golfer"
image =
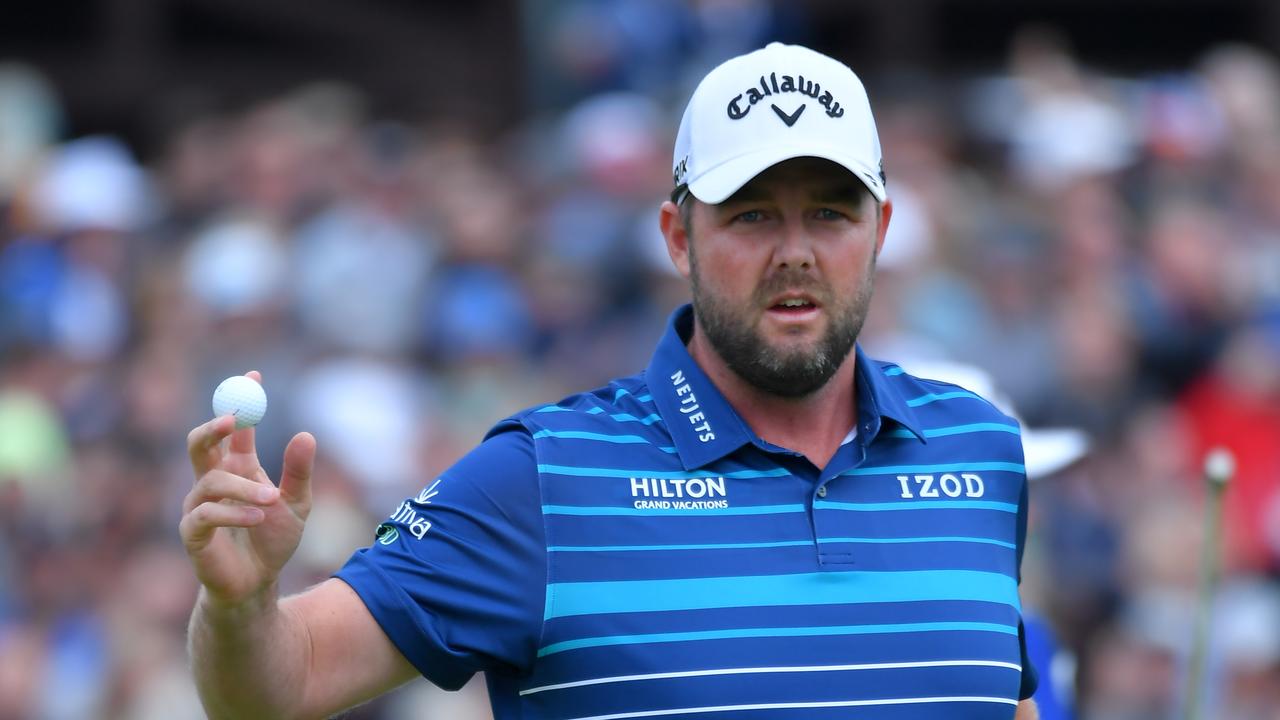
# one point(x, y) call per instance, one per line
point(764, 523)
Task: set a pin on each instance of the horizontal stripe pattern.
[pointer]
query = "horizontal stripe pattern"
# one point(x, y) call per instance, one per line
point(776, 632)
point(628, 510)
point(948, 431)
point(911, 540)
point(888, 589)
point(623, 392)
point(575, 470)
point(674, 548)
point(583, 435)
point(575, 626)
point(824, 588)
point(626, 417)
point(601, 437)
point(958, 466)
point(777, 544)
point(917, 505)
point(936, 397)
point(799, 705)
point(771, 670)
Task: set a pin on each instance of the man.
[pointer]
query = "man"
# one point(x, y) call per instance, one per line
point(765, 523)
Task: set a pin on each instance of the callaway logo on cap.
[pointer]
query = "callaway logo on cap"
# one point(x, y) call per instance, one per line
point(774, 104)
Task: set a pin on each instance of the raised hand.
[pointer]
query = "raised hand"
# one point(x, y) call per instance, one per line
point(238, 528)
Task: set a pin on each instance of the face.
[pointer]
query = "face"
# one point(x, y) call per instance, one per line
point(782, 272)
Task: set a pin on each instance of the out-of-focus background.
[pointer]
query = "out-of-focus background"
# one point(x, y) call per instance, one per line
point(416, 217)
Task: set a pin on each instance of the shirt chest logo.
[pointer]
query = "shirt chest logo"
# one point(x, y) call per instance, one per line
point(679, 493)
point(950, 485)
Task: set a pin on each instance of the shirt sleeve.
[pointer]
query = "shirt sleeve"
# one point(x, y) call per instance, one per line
point(457, 575)
point(1030, 677)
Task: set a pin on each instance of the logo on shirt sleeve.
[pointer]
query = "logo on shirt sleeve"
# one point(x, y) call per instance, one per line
point(410, 514)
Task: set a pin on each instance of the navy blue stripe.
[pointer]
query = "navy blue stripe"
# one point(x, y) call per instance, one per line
point(650, 473)
point(956, 466)
point(682, 528)
point(787, 616)
point(779, 632)
point(914, 505)
point(765, 687)
point(628, 564)
point(677, 511)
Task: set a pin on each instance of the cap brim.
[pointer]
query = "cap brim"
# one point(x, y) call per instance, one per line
point(1048, 451)
point(715, 185)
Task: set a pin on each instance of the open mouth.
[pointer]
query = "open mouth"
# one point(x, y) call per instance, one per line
point(793, 306)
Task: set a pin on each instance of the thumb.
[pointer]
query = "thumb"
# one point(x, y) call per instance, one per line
point(295, 479)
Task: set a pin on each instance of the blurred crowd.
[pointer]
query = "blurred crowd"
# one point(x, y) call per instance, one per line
point(1106, 248)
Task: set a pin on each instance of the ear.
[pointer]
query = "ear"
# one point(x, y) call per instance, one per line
point(677, 238)
point(886, 212)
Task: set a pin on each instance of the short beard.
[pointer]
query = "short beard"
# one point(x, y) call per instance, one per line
point(791, 375)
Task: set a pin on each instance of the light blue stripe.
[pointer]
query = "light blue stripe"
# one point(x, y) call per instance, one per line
point(944, 538)
point(903, 433)
point(621, 417)
point(891, 371)
point(822, 588)
point(956, 430)
point(661, 474)
point(602, 437)
point(934, 397)
point(952, 467)
point(625, 510)
point(776, 632)
point(580, 435)
point(707, 546)
point(777, 544)
point(628, 417)
point(918, 505)
point(639, 398)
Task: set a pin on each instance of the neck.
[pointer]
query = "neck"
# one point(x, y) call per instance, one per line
point(813, 425)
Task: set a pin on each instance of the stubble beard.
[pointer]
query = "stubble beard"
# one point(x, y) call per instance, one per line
point(794, 373)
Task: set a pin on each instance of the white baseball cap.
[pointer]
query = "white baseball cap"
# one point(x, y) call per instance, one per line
point(770, 105)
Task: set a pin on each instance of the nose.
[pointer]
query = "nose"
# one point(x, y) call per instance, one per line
point(795, 248)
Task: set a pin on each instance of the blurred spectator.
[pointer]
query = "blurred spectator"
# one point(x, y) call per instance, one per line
point(30, 121)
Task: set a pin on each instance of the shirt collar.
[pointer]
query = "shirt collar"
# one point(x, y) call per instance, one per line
point(879, 398)
point(706, 428)
point(703, 425)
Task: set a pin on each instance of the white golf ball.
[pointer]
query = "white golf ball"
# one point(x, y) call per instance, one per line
point(239, 395)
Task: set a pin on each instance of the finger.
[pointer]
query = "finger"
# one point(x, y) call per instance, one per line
point(218, 485)
point(203, 443)
point(197, 527)
point(242, 441)
point(295, 479)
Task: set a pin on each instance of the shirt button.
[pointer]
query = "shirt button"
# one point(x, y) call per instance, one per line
point(822, 491)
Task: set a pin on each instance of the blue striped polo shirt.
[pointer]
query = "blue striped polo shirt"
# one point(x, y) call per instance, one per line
point(637, 551)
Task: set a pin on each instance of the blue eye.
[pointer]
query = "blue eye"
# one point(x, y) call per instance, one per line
point(829, 214)
point(750, 216)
